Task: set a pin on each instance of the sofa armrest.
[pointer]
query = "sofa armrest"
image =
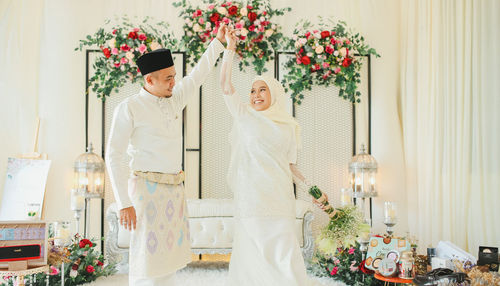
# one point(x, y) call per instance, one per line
point(113, 252)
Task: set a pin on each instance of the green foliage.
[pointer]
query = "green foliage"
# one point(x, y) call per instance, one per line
point(328, 55)
point(121, 45)
point(344, 265)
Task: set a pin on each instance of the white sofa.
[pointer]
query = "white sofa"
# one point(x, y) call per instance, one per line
point(211, 230)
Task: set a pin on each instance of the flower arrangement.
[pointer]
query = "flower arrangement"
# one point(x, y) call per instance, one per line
point(325, 56)
point(258, 35)
point(346, 266)
point(121, 45)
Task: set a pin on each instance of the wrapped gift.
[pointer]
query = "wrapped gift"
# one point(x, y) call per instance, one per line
point(380, 248)
point(447, 251)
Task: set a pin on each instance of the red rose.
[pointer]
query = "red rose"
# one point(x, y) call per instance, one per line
point(252, 16)
point(114, 31)
point(333, 41)
point(142, 37)
point(90, 269)
point(243, 38)
point(325, 34)
point(74, 266)
point(232, 10)
point(125, 48)
point(347, 62)
point(132, 35)
point(107, 53)
point(264, 13)
point(364, 269)
point(317, 67)
point(329, 50)
point(251, 28)
point(99, 263)
point(84, 242)
point(249, 7)
point(214, 17)
point(265, 23)
point(307, 35)
point(306, 60)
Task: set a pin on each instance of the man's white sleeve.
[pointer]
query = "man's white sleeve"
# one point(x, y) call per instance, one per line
point(119, 135)
point(190, 84)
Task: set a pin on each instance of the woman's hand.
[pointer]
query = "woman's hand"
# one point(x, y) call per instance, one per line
point(231, 39)
point(320, 205)
point(221, 33)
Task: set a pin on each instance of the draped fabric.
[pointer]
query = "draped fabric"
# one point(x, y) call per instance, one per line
point(450, 121)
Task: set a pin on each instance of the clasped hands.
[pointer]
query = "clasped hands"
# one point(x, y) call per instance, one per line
point(227, 34)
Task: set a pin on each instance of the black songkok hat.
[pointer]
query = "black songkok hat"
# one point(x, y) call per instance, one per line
point(155, 60)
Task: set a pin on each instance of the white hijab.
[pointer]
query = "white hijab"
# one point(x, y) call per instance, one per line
point(277, 110)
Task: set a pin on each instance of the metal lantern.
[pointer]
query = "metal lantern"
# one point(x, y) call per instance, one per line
point(89, 174)
point(362, 172)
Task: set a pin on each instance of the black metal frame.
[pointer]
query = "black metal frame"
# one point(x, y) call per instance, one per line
point(103, 126)
point(369, 96)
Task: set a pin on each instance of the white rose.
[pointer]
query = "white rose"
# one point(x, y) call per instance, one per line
point(343, 52)
point(244, 32)
point(309, 54)
point(122, 67)
point(197, 28)
point(319, 49)
point(298, 44)
point(317, 35)
point(189, 33)
point(256, 22)
point(129, 55)
point(222, 10)
point(273, 26)
point(243, 11)
point(294, 37)
point(190, 24)
point(303, 41)
point(187, 20)
point(336, 53)
point(262, 19)
point(208, 26)
point(112, 43)
point(269, 33)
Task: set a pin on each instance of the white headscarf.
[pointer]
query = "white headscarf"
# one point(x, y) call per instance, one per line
point(277, 110)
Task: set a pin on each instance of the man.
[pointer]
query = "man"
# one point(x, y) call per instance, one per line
point(148, 126)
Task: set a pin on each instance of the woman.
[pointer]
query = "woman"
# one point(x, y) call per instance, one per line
point(264, 143)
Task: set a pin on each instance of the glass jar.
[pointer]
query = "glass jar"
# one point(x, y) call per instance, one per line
point(406, 265)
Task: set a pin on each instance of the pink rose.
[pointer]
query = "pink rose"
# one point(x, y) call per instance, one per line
point(261, 29)
point(114, 51)
point(351, 250)
point(325, 65)
point(53, 271)
point(114, 31)
point(123, 60)
point(136, 29)
point(143, 48)
point(337, 70)
point(238, 26)
point(251, 28)
point(117, 65)
point(225, 20)
point(142, 37)
point(334, 271)
point(211, 7)
point(347, 42)
point(201, 21)
point(333, 41)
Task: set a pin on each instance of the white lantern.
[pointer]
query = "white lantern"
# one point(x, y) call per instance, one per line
point(89, 174)
point(362, 172)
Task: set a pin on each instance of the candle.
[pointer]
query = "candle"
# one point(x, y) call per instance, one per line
point(345, 197)
point(358, 185)
point(390, 211)
point(77, 201)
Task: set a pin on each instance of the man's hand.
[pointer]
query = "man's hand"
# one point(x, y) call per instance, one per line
point(221, 33)
point(128, 218)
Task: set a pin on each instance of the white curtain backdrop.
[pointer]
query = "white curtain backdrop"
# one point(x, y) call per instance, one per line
point(450, 121)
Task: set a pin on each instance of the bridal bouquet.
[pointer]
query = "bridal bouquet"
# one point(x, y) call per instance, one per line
point(345, 226)
point(258, 35)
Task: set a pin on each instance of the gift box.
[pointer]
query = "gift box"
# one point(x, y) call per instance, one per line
point(23, 241)
point(380, 248)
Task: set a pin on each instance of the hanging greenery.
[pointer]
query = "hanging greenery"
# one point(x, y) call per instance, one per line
point(325, 55)
point(121, 45)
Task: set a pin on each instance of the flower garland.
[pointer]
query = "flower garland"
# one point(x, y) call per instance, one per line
point(325, 56)
point(121, 46)
point(259, 36)
point(346, 266)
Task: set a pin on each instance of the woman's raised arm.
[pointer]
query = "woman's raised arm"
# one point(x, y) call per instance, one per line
point(227, 62)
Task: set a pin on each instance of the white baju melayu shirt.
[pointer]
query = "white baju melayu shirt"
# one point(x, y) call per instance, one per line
point(149, 129)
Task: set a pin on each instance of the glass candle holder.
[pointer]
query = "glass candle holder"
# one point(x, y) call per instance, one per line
point(345, 197)
point(390, 218)
point(62, 235)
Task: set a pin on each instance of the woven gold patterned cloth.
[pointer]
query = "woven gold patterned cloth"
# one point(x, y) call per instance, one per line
point(162, 178)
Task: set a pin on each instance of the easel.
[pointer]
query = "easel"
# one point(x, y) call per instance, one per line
point(20, 269)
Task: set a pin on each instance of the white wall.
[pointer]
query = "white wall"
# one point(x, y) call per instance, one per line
point(60, 99)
